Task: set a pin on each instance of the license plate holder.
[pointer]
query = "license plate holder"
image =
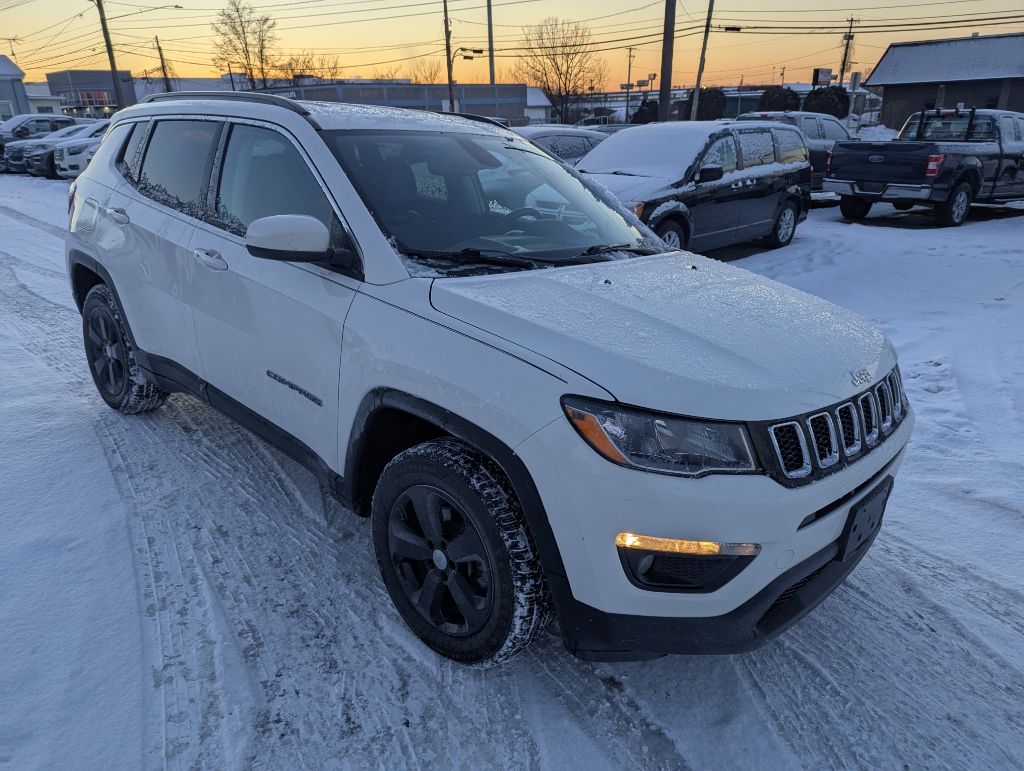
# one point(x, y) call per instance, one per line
point(864, 520)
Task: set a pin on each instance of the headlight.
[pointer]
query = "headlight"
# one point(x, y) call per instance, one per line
point(75, 150)
point(664, 443)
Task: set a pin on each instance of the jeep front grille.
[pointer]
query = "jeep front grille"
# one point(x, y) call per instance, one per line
point(809, 446)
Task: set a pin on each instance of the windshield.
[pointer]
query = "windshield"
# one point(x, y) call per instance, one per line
point(653, 150)
point(460, 198)
point(949, 127)
point(68, 131)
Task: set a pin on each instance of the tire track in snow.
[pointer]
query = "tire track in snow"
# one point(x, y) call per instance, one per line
point(312, 626)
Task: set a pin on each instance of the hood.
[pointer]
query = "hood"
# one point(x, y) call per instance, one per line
point(633, 189)
point(679, 333)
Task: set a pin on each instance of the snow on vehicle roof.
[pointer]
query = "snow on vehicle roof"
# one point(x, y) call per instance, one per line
point(652, 150)
point(953, 59)
point(341, 115)
point(554, 128)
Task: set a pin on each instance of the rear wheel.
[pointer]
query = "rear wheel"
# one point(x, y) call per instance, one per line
point(853, 207)
point(784, 228)
point(455, 554)
point(111, 356)
point(673, 234)
point(953, 211)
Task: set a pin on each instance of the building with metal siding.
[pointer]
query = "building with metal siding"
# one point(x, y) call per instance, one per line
point(13, 100)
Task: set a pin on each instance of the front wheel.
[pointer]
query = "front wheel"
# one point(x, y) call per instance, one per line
point(953, 211)
point(455, 554)
point(673, 234)
point(784, 228)
point(853, 207)
point(111, 356)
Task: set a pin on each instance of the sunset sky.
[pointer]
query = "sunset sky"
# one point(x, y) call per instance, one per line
point(370, 36)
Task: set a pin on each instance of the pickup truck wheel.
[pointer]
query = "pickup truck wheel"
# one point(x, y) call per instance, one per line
point(784, 228)
point(455, 554)
point(953, 211)
point(673, 234)
point(903, 205)
point(111, 356)
point(854, 208)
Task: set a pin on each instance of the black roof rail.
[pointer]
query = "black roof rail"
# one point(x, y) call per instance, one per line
point(477, 118)
point(234, 96)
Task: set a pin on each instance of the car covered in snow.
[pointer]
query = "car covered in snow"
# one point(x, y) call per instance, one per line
point(72, 156)
point(702, 185)
point(568, 143)
point(21, 156)
point(539, 414)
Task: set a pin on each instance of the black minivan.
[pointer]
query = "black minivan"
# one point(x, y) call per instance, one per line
point(820, 133)
point(702, 185)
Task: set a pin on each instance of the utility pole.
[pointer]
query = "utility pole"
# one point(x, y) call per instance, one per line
point(490, 41)
point(110, 53)
point(782, 78)
point(629, 78)
point(231, 75)
point(448, 57)
point(848, 38)
point(695, 96)
point(668, 42)
point(163, 66)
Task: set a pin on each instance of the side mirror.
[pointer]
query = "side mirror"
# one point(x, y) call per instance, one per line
point(21, 132)
point(288, 237)
point(710, 174)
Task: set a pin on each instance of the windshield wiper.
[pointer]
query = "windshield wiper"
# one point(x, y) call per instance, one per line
point(597, 249)
point(485, 256)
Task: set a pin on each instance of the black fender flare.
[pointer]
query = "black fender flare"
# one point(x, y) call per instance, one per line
point(457, 426)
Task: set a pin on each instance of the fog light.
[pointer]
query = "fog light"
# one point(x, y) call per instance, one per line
point(681, 546)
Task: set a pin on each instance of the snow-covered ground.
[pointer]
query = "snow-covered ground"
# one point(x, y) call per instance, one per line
point(174, 592)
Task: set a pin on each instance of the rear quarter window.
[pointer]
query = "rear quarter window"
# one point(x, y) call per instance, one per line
point(112, 143)
point(789, 146)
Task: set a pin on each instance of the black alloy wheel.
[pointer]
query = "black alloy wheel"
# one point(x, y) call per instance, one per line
point(106, 351)
point(443, 567)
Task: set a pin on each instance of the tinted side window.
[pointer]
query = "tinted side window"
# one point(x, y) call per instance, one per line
point(721, 153)
point(790, 147)
point(810, 128)
point(176, 165)
point(1020, 128)
point(757, 148)
point(112, 143)
point(834, 130)
point(263, 175)
point(59, 123)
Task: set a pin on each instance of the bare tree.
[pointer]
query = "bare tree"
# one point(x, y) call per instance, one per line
point(426, 70)
point(328, 66)
point(388, 73)
point(558, 56)
point(245, 40)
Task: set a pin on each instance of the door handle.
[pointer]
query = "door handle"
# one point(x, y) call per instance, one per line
point(118, 216)
point(210, 259)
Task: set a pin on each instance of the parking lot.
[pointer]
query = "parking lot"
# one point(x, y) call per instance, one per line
point(265, 632)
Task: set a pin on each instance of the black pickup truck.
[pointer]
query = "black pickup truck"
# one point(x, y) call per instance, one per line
point(946, 159)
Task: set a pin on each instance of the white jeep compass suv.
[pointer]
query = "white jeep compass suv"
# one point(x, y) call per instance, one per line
point(540, 407)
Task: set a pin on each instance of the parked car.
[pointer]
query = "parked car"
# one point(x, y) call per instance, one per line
point(40, 154)
point(820, 131)
point(664, 450)
point(945, 159)
point(71, 157)
point(702, 185)
point(16, 154)
point(565, 142)
point(29, 126)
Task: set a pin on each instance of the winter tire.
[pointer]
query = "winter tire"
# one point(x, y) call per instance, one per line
point(111, 356)
point(953, 211)
point(455, 554)
point(854, 208)
point(673, 234)
point(784, 228)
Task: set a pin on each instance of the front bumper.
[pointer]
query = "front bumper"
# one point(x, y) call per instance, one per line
point(36, 164)
point(604, 615)
point(890, 192)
